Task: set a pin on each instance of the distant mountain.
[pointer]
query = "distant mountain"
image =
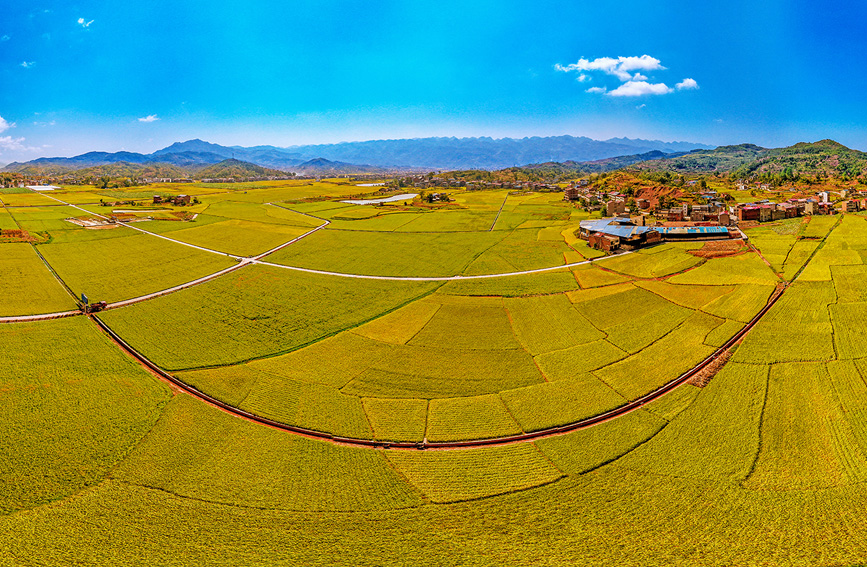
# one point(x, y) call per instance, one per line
point(483, 153)
point(420, 153)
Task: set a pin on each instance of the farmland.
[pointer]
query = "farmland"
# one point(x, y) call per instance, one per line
point(103, 451)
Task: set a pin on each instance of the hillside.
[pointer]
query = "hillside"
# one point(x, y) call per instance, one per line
point(825, 158)
point(724, 158)
point(124, 169)
point(236, 169)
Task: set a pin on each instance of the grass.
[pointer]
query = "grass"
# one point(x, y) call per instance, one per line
point(28, 287)
point(254, 312)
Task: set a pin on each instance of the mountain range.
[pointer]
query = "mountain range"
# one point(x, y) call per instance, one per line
point(373, 156)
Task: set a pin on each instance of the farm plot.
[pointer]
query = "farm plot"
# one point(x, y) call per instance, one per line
point(312, 406)
point(50, 220)
point(68, 419)
point(28, 199)
point(468, 323)
point(240, 237)
point(582, 451)
point(663, 261)
point(475, 417)
point(268, 214)
point(797, 328)
point(595, 276)
point(662, 361)
point(849, 283)
point(386, 254)
point(435, 372)
point(549, 322)
point(6, 220)
point(807, 442)
point(453, 476)
point(450, 221)
point(571, 362)
point(198, 452)
point(551, 404)
point(113, 269)
point(742, 269)
point(850, 339)
point(690, 296)
point(255, 312)
point(798, 255)
point(28, 288)
point(515, 286)
point(396, 419)
point(717, 436)
point(742, 304)
point(520, 250)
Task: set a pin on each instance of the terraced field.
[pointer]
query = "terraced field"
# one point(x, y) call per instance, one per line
point(764, 464)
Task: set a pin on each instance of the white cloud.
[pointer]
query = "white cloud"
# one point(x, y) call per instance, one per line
point(149, 118)
point(5, 38)
point(583, 78)
point(620, 67)
point(596, 90)
point(640, 106)
point(28, 64)
point(639, 77)
point(42, 124)
point(640, 88)
point(5, 125)
point(686, 84)
point(11, 144)
point(83, 23)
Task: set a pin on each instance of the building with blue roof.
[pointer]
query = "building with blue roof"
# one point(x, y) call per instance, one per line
point(621, 232)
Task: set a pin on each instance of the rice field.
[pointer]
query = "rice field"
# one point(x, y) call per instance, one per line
point(765, 464)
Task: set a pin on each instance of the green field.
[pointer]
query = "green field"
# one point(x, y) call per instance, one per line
point(28, 287)
point(103, 463)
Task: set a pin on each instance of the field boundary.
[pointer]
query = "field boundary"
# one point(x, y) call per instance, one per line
point(510, 439)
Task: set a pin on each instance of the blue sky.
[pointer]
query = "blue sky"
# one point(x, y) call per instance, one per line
point(98, 75)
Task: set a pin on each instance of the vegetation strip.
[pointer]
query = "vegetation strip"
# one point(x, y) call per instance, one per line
point(542, 433)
